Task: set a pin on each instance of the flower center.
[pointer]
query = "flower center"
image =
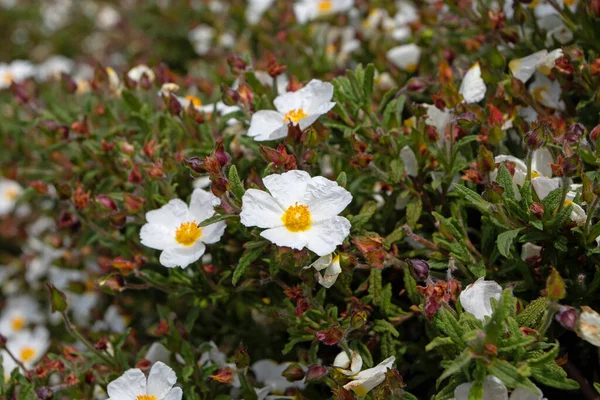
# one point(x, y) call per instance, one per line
point(568, 203)
point(196, 102)
point(325, 6)
point(7, 78)
point(145, 397)
point(538, 93)
point(27, 353)
point(17, 323)
point(534, 174)
point(297, 218)
point(411, 67)
point(188, 233)
point(11, 194)
point(295, 115)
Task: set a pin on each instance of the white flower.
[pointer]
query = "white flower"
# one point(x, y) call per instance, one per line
point(405, 57)
point(157, 352)
point(114, 83)
point(136, 73)
point(473, 87)
point(17, 71)
point(201, 38)
point(546, 92)
point(527, 113)
point(216, 357)
point(86, 301)
point(173, 228)
point(10, 191)
point(366, 380)
point(107, 17)
point(530, 250)
point(307, 10)
point(543, 61)
point(300, 211)
point(268, 372)
point(301, 108)
point(18, 313)
point(133, 385)
point(255, 10)
point(440, 120)
point(348, 366)
point(411, 165)
point(494, 389)
point(53, 67)
point(475, 299)
point(346, 37)
point(113, 321)
point(332, 268)
point(588, 326)
point(28, 347)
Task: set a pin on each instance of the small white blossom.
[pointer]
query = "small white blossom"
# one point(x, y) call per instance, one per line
point(543, 61)
point(10, 191)
point(307, 10)
point(405, 57)
point(473, 87)
point(494, 389)
point(328, 268)
point(364, 381)
point(348, 366)
point(475, 298)
point(18, 314)
point(133, 385)
point(136, 73)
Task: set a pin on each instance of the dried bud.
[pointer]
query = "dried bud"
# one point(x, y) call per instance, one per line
point(315, 373)
point(58, 300)
point(555, 286)
point(419, 269)
point(135, 176)
point(537, 209)
point(567, 317)
point(106, 202)
point(293, 372)
point(133, 204)
point(44, 393)
point(534, 139)
point(330, 336)
point(101, 344)
point(81, 198)
point(485, 160)
point(229, 96)
point(39, 186)
point(175, 107)
point(246, 95)
point(242, 358)
point(595, 8)
point(236, 64)
point(594, 133)
point(342, 394)
point(493, 192)
point(570, 165)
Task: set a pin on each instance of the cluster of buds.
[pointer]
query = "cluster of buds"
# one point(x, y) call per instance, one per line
point(213, 165)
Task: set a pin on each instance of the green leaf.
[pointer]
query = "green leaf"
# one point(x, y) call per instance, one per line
point(410, 285)
point(245, 261)
point(131, 101)
point(506, 181)
point(446, 322)
point(551, 202)
point(439, 341)
point(473, 198)
point(456, 365)
point(505, 241)
point(236, 184)
point(510, 375)
point(533, 314)
point(368, 81)
point(341, 179)
point(554, 376)
point(217, 218)
point(365, 214)
point(413, 212)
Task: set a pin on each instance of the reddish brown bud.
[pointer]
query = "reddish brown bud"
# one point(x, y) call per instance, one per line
point(175, 107)
point(68, 83)
point(537, 209)
point(419, 269)
point(101, 344)
point(236, 64)
point(106, 202)
point(221, 155)
point(229, 96)
point(133, 204)
point(81, 198)
point(293, 372)
point(39, 186)
point(330, 336)
point(135, 176)
point(567, 317)
point(315, 373)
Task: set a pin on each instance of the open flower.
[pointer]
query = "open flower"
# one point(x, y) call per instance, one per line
point(19, 312)
point(301, 108)
point(269, 373)
point(17, 71)
point(405, 57)
point(411, 165)
point(331, 267)
point(136, 73)
point(588, 326)
point(348, 366)
point(307, 10)
point(473, 87)
point(28, 347)
point(300, 211)
point(368, 379)
point(543, 61)
point(475, 299)
point(174, 229)
point(10, 191)
point(133, 385)
point(546, 92)
point(494, 389)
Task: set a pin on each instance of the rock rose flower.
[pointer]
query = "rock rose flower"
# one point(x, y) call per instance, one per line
point(475, 299)
point(307, 10)
point(330, 267)
point(133, 385)
point(473, 87)
point(364, 381)
point(494, 389)
point(9, 194)
point(174, 229)
point(299, 212)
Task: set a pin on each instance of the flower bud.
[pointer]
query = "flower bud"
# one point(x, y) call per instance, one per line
point(175, 107)
point(229, 96)
point(236, 64)
point(330, 336)
point(221, 155)
point(537, 209)
point(419, 269)
point(358, 320)
point(242, 358)
point(555, 286)
point(567, 317)
point(315, 373)
point(293, 372)
point(534, 139)
point(58, 300)
point(133, 204)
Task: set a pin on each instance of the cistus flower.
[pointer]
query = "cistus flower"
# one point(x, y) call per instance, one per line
point(475, 298)
point(27, 346)
point(174, 229)
point(328, 268)
point(473, 87)
point(17, 71)
point(136, 73)
point(307, 10)
point(543, 61)
point(299, 212)
point(405, 57)
point(546, 92)
point(255, 10)
point(133, 385)
point(10, 191)
point(348, 365)
point(588, 326)
point(494, 389)
point(301, 108)
point(18, 314)
point(364, 381)
point(270, 374)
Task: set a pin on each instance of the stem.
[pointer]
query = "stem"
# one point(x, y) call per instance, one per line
point(565, 186)
point(590, 215)
point(18, 362)
point(75, 333)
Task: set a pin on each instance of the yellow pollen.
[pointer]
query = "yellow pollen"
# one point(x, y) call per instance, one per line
point(11, 194)
point(7, 78)
point(412, 67)
point(188, 233)
point(196, 102)
point(145, 397)
point(295, 115)
point(514, 65)
point(569, 2)
point(325, 6)
point(266, 300)
point(17, 323)
point(538, 93)
point(335, 259)
point(534, 174)
point(297, 218)
point(544, 69)
point(360, 390)
point(27, 353)
point(568, 203)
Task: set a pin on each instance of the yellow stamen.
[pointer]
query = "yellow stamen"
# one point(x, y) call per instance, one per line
point(145, 397)
point(7, 78)
point(360, 390)
point(534, 174)
point(188, 233)
point(297, 218)
point(325, 6)
point(196, 102)
point(335, 259)
point(569, 2)
point(266, 300)
point(295, 115)
point(17, 323)
point(568, 203)
point(538, 93)
point(11, 194)
point(27, 353)
point(412, 67)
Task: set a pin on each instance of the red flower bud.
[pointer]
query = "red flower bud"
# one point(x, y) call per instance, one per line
point(315, 373)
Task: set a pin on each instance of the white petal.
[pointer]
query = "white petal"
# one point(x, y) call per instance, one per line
point(329, 276)
point(309, 120)
point(160, 380)
point(438, 119)
point(530, 250)
point(473, 87)
point(588, 326)
point(493, 389)
point(171, 214)
point(128, 386)
point(411, 166)
point(541, 160)
point(304, 12)
point(475, 299)
point(322, 262)
point(324, 236)
point(174, 394)
point(316, 97)
point(202, 204)
point(281, 236)
point(213, 232)
point(578, 214)
point(370, 378)
point(524, 394)
point(182, 256)
point(157, 236)
point(287, 188)
point(325, 198)
point(523, 68)
point(342, 360)
point(349, 367)
point(543, 185)
point(260, 209)
point(405, 57)
point(267, 125)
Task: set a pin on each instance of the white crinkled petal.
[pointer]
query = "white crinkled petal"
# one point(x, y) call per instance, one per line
point(287, 188)
point(202, 204)
point(174, 394)
point(171, 214)
point(523, 68)
point(281, 236)
point(128, 386)
point(368, 379)
point(160, 380)
point(475, 298)
point(182, 256)
point(157, 236)
point(493, 389)
point(473, 88)
point(541, 160)
point(324, 236)
point(325, 198)
point(328, 277)
point(260, 209)
point(524, 394)
point(321, 263)
point(530, 250)
point(267, 125)
point(543, 185)
point(213, 232)
point(405, 57)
